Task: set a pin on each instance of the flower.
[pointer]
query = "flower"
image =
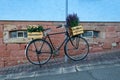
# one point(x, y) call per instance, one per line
point(72, 20)
point(35, 28)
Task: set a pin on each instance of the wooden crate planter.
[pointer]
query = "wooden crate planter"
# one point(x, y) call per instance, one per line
point(76, 30)
point(35, 35)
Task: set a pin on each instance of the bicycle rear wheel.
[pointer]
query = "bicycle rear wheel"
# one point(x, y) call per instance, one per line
point(38, 52)
point(76, 48)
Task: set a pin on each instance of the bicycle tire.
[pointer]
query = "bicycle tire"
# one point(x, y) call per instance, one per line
point(38, 52)
point(78, 50)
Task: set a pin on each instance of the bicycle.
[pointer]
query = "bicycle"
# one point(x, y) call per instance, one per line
point(40, 51)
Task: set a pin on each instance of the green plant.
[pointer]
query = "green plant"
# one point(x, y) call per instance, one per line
point(35, 29)
point(72, 20)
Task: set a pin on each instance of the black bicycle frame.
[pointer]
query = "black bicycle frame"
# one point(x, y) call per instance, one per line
point(51, 43)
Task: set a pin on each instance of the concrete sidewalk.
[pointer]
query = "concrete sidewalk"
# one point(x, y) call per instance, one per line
point(103, 73)
point(93, 61)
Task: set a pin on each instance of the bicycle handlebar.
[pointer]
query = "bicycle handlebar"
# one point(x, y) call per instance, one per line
point(60, 26)
point(47, 29)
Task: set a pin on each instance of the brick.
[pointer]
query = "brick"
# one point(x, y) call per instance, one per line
point(13, 47)
point(118, 28)
point(118, 33)
point(102, 35)
point(97, 49)
point(89, 28)
point(100, 28)
point(13, 58)
point(3, 47)
point(22, 53)
point(1, 41)
point(110, 29)
point(107, 45)
point(11, 63)
point(10, 27)
point(111, 34)
point(119, 44)
point(19, 27)
point(23, 46)
point(1, 53)
point(5, 59)
point(4, 53)
point(117, 39)
point(16, 53)
point(1, 64)
point(17, 60)
point(1, 58)
point(1, 28)
point(109, 40)
point(13, 54)
point(1, 34)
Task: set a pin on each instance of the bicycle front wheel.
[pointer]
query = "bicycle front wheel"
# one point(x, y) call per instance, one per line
point(76, 48)
point(38, 52)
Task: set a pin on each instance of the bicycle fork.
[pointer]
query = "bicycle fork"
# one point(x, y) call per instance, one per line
point(76, 42)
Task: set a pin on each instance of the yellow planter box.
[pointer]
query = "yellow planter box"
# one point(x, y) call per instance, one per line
point(76, 30)
point(35, 35)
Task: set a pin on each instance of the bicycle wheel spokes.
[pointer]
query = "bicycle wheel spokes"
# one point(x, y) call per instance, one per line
point(75, 42)
point(76, 48)
point(38, 52)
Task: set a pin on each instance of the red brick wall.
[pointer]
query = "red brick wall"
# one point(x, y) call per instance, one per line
point(13, 53)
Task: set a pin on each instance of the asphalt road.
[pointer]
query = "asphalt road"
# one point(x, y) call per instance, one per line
point(103, 73)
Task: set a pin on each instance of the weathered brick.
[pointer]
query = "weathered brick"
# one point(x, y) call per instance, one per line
point(1, 58)
point(16, 53)
point(109, 40)
point(11, 63)
point(1, 28)
point(117, 28)
point(3, 51)
point(117, 39)
point(97, 49)
point(1, 34)
point(3, 47)
point(22, 53)
point(10, 27)
point(13, 47)
point(119, 44)
point(23, 46)
point(111, 34)
point(107, 45)
point(118, 33)
point(13, 54)
point(89, 28)
point(17, 59)
point(100, 28)
point(6, 61)
point(1, 64)
point(110, 29)
point(1, 41)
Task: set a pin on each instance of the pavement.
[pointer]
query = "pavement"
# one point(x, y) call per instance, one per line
point(88, 69)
